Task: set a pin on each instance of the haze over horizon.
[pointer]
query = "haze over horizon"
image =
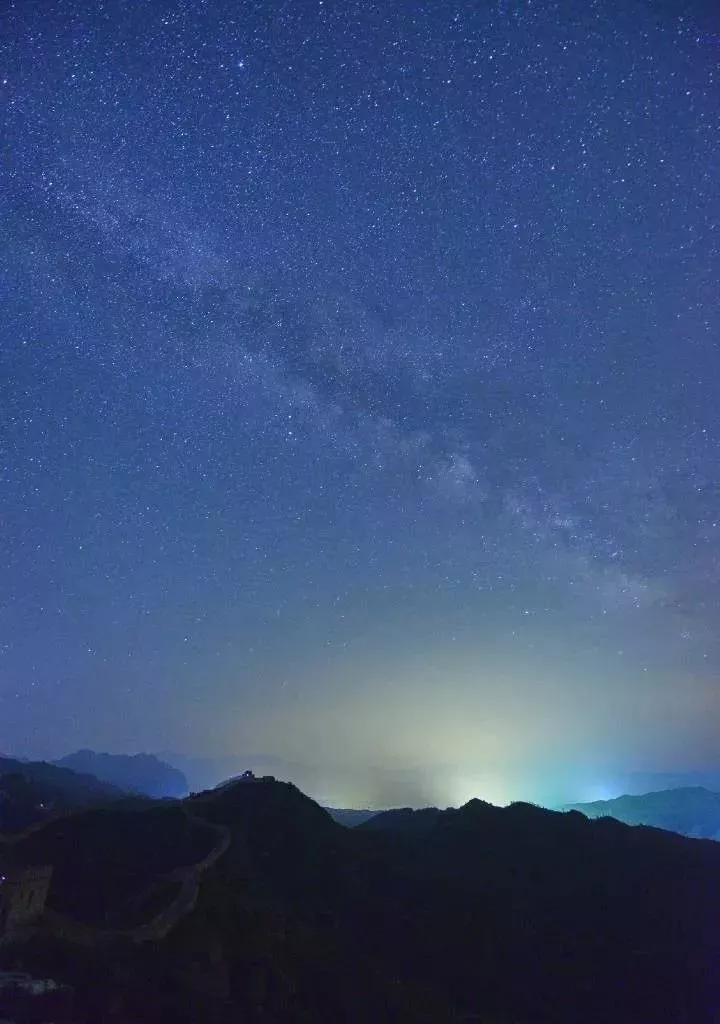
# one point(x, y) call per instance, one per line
point(359, 391)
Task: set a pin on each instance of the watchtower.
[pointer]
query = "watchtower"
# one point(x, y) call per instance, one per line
point(23, 891)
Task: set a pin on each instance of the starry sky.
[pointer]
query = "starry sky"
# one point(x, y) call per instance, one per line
point(360, 389)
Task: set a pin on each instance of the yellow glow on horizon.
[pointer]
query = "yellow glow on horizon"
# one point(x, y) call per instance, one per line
point(491, 788)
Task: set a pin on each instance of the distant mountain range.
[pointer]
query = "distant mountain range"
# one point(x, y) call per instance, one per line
point(143, 774)
point(349, 817)
point(32, 790)
point(513, 915)
point(86, 777)
point(691, 811)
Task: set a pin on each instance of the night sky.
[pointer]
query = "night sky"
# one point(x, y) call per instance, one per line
point(360, 389)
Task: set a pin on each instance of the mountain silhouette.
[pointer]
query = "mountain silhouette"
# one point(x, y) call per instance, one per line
point(349, 817)
point(513, 915)
point(33, 790)
point(137, 773)
point(691, 811)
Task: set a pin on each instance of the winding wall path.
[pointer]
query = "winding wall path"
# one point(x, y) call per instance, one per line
point(64, 927)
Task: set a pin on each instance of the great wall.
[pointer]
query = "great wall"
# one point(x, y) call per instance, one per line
point(63, 927)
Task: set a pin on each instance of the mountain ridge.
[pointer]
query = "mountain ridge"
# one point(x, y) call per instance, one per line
point(514, 914)
point(32, 790)
point(141, 773)
point(692, 811)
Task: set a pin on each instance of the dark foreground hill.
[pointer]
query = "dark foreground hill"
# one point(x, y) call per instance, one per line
point(482, 914)
point(108, 862)
point(145, 774)
point(692, 811)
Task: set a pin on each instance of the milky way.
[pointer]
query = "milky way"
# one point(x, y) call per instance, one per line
point(359, 389)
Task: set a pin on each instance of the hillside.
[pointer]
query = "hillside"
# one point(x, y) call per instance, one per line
point(106, 860)
point(478, 914)
point(691, 811)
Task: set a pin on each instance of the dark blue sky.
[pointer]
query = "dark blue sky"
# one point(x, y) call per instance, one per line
point(359, 383)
